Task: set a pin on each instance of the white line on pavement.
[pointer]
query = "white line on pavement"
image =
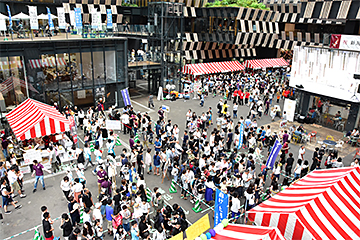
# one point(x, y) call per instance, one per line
point(143, 106)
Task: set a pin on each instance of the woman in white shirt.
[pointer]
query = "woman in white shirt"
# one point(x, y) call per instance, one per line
point(297, 169)
point(148, 160)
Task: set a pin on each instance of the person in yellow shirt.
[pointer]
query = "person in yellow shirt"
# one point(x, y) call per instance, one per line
point(224, 108)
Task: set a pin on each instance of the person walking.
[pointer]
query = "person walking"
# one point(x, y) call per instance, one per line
point(39, 174)
point(151, 101)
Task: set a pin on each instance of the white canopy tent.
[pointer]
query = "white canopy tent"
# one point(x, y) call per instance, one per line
point(2, 16)
point(45, 16)
point(21, 15)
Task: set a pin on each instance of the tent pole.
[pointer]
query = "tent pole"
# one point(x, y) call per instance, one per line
point(26, 79)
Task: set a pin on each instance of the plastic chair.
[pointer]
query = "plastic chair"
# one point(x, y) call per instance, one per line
point(312, 135)
point(329, 137)
point(296, 138)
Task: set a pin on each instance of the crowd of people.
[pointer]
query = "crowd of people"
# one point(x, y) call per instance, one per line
point(205, 156)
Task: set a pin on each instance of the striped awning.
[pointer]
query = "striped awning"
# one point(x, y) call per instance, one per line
point(214, 67)
point(7, 65)
point(35, 119)
point(325, 204)
point(13, 82)
point(266, 63)
point(47, 62)
point(246, 232)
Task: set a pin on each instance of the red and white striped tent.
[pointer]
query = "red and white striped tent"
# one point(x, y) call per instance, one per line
point(35, 119)
point(325, 204)
point(47, 62)
point(12, 82)
point(266, 63)
point(214, 67)
point(248, 232)
point(6, 65)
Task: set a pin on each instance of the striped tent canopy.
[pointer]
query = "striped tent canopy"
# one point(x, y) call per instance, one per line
point(325, 204)
point(13, 82)
point(47, 62)
point(248, 232)
point(214, 67)
point(7, 65)
point(266, 63)
point(35, 119)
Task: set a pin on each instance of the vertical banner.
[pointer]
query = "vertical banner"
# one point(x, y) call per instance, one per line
point(94, 21)
point(2, 25)
point(241, 135)
point(221, 206)
point(9, 13)
point(273, 155)
point(61, 17)
point(98, 20)
point(109, 22)
point(51, 23)
point(72, 18)
point(34, 24)
point(126, 97)
point(78, 19)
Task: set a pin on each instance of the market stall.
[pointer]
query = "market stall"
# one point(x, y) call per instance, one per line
point(237, 232)
point(210, 68)
point(266, 63)
point(322, 205)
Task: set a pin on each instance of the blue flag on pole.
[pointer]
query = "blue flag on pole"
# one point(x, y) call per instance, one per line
point(273, 155)
point(241, 136)
point(221, 206)
point(51, 23)
point(9, 13)
point(109, 23)
point(78, 19)
point(126, 97)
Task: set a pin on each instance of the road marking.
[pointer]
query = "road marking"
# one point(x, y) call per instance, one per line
point(143, 106)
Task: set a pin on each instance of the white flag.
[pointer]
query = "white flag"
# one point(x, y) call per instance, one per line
point(34, 24)
point(61, 17)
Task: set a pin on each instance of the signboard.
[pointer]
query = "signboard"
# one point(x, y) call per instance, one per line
point(34, 24)
point(72, 18)
point(165, 108)
point(113, 124)
point(109, 22)
point(241, 135)
point(81, 94)
point(61, 17)
point(221, 206)
point(51, 23)
point(78, 18)
point(32, 155)
point(198, 228)
point(345, 42)
point(289, 108)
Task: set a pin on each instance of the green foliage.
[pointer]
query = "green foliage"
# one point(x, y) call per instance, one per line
point(238, 3)
point(124, 4)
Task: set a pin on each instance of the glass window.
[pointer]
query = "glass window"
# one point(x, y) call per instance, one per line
point(87, 69)
point(110, 66)
point(98, 63)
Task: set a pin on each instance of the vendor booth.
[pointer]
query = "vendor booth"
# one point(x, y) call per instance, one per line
point(35, 119)
point(237, 232)
point(266, 63)
point(322, 205)
point(210, 68)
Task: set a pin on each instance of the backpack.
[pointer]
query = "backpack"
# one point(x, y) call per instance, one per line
point(80, 158)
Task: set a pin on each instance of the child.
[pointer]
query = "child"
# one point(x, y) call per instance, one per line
point(175, 172)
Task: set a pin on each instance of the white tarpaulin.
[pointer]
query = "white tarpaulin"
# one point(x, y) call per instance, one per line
point(34, 24)
point(61, 17)
point(113, 124)
point(2, 25)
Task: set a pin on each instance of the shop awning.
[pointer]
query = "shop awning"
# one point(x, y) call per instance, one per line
point(6, 65)
point(13, 82)
point(325, 204)
point(246, 232)
point(214, 67)
point(266, 63)
point(35, 119)
point(47, 62)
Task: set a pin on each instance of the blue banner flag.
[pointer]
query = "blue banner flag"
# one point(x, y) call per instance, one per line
point(241, 136)
point(126, 97)
point(9, 13)
point(51, 23)
point(109, 23)
point(78, 19)
point(221, 206)
point(273, 155)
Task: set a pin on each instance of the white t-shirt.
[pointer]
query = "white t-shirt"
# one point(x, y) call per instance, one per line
point(301, 152)
point(97, 215)
point(65, 186)
point(235, 205)
point(12, 177)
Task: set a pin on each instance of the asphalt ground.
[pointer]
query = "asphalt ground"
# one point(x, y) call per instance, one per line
point(29, 216)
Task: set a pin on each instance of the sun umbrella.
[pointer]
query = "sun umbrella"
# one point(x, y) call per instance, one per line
point(45, 16)
point(2, 16)
point(21, 16)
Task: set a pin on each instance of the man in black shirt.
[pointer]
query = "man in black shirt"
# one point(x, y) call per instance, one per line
point(289, 164)
point(87, 198)
point(48, 229)
point(66, 225)
point(74, 234)
point(144, 228)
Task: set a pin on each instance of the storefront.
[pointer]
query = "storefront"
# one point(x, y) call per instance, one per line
point(326, 83)
point(74, 71)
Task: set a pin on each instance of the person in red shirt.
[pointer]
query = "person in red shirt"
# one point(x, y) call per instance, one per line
point(235, 95)
point(247, 95)
point(286, 147)
point(241, 97)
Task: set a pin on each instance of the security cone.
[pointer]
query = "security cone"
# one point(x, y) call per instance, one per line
point(148, 195)
point(172, 188)
point(81, 215)
point(197, 208)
